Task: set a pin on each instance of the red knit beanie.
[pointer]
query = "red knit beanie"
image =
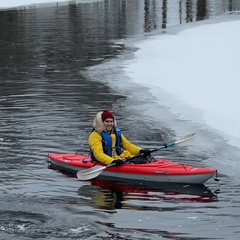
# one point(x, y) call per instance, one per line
point(106, 114)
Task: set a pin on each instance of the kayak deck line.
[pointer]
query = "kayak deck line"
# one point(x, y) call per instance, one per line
point(161, 170)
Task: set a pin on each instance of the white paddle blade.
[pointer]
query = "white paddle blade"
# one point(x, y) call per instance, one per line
point(90, 173)
point(185, 140)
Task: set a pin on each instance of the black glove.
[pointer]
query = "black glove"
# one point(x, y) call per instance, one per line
point(117, 162)
point(146, 152)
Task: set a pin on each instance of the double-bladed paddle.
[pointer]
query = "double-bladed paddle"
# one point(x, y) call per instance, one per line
point(93, 172)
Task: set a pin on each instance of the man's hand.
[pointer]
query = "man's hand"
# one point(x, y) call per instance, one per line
point(117, 162)
point(145, 152)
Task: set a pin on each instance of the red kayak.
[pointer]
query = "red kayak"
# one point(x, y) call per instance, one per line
point(158, 171)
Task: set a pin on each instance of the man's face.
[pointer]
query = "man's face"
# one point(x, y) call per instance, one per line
point(108, 124)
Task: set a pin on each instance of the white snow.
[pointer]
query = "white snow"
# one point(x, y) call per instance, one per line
point(198, 70)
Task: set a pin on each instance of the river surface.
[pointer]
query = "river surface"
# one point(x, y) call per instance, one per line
point(60, 65)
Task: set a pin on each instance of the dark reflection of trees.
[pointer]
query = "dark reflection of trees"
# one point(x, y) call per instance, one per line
point(115, 15)
point(146, 16)
point(164, 14)
point(122, 19)
point(189, 11)
point(230, 5)
point(150, 15)
point(180, 11)
point(91, 27)
point(201, 10)
point(13, 51)
point(233, 5)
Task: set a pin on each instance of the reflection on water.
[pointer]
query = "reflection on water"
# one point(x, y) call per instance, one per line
point(136, 210)
point(108, 195)
point(164, 14)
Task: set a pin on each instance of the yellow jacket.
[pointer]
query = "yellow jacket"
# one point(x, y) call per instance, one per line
point(95, 143)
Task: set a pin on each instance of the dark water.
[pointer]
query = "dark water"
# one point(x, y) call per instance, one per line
point(47, 102)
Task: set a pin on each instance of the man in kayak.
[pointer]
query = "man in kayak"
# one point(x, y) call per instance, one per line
point(107, 144)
